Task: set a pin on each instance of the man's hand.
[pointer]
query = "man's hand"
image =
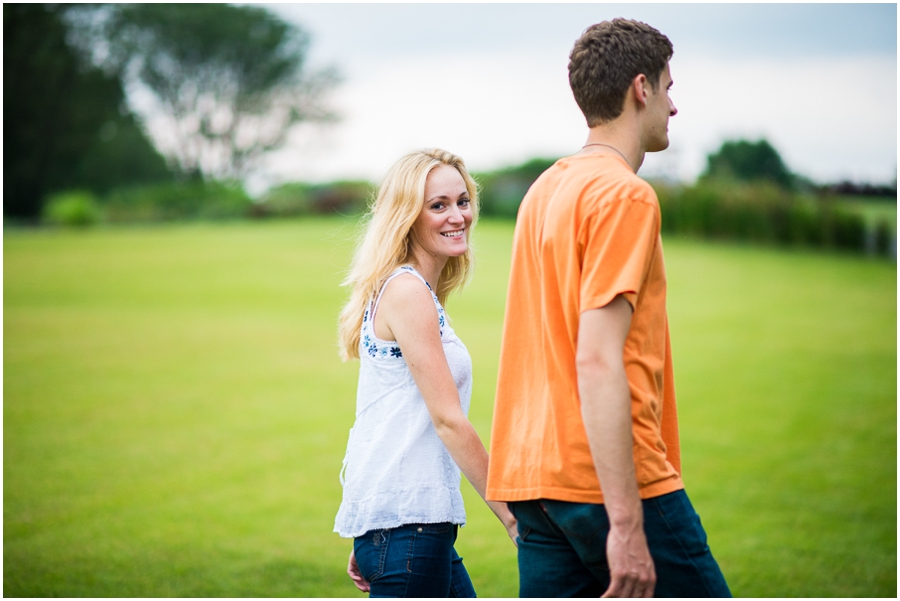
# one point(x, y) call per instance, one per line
point(355, 575)
point(630, 566)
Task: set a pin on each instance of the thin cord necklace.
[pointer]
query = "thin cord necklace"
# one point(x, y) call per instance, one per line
point(608, 146)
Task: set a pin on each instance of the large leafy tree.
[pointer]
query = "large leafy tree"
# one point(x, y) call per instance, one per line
point(224, 83)
point(65, 121)
point(748, 161)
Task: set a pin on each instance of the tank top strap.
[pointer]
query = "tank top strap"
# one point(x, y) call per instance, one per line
point(399, 271)
point(369, 318)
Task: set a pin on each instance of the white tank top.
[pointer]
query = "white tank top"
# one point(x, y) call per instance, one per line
point(396, 470)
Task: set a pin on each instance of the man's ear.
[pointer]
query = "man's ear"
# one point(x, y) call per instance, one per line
point(641, 88)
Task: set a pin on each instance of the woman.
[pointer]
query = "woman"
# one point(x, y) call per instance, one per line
point(402, 502)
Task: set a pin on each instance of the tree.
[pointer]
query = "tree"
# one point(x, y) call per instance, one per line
point(748, 161)
point(227, 83)
point(65, 122)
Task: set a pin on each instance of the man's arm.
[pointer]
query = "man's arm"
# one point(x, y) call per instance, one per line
point(606, 411)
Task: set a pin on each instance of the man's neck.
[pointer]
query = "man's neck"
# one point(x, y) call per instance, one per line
point(616, 137)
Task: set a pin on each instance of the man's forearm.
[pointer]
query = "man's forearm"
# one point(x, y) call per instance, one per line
point(606, 411)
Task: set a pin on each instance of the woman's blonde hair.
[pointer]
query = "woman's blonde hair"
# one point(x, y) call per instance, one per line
point(386, 245)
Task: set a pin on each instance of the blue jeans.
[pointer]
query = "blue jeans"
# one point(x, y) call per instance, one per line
point(562, 549)
point(415, 560)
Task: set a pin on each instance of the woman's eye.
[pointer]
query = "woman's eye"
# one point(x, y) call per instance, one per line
point(464, 202)
point(437, 206)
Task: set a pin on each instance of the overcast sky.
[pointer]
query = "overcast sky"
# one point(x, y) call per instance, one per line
point(489, 82)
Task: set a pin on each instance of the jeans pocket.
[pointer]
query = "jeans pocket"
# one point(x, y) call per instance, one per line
point(371, 553)
point(683, 522)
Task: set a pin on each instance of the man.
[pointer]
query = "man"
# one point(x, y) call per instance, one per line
point(585, 435)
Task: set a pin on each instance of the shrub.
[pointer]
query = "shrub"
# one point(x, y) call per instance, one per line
point(847, 230)
point(885, 240)
point(73, 208)
point(178, 201)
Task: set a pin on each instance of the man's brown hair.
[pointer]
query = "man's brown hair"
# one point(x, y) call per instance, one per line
point(606, 59)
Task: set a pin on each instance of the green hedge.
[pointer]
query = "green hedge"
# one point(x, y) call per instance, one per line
point(177, 201)
point(716, 208)
point(289, 200)
point(762, 212)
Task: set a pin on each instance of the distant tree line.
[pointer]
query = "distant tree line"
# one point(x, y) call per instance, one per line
point(849, 188)
point(745, 161)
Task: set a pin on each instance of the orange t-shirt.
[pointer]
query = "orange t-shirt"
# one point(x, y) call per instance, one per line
point(587, 230)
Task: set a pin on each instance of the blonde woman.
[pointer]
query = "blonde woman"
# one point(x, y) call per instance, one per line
point(401, 475)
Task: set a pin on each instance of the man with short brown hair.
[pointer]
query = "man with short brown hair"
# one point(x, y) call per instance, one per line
point(585, 436)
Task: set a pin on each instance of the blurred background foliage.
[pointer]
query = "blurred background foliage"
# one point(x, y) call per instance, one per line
point(227, 81)
point(66, 125)
point(225, 84)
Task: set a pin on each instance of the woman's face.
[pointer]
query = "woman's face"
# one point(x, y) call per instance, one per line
point(442, 227)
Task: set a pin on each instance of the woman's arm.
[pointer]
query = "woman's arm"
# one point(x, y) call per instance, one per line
point(408, 314)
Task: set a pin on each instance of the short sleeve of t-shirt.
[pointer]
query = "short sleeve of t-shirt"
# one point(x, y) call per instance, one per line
point(618, 242)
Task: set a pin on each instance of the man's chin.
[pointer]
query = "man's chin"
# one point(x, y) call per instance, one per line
point(662, 145)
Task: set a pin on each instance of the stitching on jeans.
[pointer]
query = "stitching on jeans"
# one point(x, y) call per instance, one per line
point(665, 518)
point(409, 557)
point(411, 550)
point(382, 558)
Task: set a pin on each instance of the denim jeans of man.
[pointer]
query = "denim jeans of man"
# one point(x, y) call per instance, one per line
point(562, 549)
point(414, 560)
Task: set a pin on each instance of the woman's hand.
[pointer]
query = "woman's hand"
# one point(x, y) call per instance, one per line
point(355, 575)
point(501, 510)
point(513, 531)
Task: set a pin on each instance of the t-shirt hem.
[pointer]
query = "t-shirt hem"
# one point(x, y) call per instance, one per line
point(649, 491)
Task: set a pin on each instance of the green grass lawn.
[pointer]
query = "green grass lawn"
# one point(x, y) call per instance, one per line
point(175, 413)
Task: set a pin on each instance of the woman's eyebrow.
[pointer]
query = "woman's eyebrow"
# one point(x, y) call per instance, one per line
point(445, 197)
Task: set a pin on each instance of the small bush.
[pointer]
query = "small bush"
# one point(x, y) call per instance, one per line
point(73, 209)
